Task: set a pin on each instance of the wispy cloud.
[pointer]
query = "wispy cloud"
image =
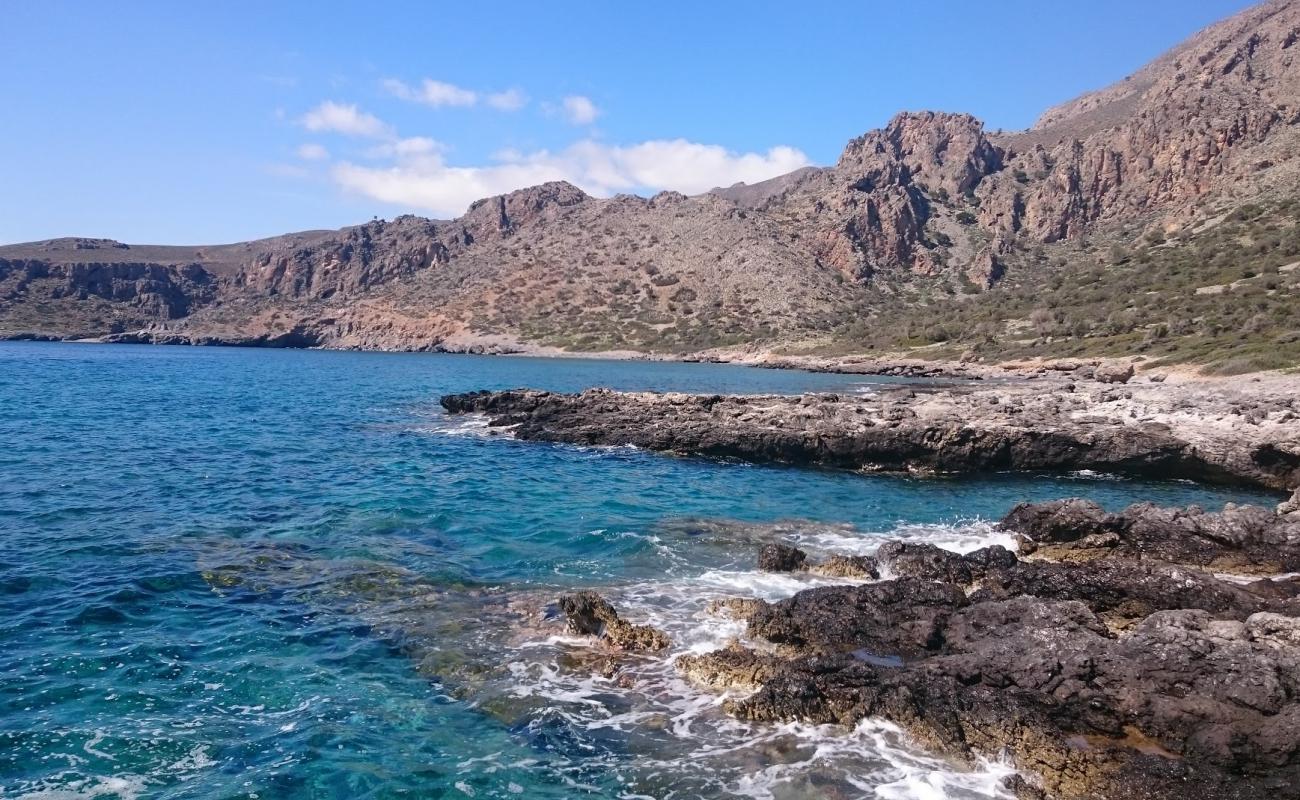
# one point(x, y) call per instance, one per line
point(431, 93)
point(347, 119)
point(440, 94)
point(406, 148)
point(312, 152)
point(424, 180)
point(509, 100)
point(580, 110)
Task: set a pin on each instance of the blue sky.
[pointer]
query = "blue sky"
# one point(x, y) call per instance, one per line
point(210, 122)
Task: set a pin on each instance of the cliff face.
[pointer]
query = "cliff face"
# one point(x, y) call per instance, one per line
point(931, 199)
point(94, 297)
point(1214, 118)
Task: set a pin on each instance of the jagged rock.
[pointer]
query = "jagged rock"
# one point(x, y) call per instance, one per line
point(738, 607)
point(1245, 539)
point(732, 667)
point(589, 614)
point(899, 616)
point(1196, 695)
point(781, 558)
point(932, 563)
point(864, 567)
point(1121, 589)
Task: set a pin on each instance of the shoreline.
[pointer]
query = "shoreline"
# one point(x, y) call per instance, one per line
point(1107, 655)
point(896, 364)
point(1247, 435)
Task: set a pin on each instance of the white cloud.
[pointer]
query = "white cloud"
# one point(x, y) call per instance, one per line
point(406, 148)
point(439, 94)
point(312, 152)
point(423, 180)
point(432, 93)
point(331, 117)
point(580, 110)
point(509, 100)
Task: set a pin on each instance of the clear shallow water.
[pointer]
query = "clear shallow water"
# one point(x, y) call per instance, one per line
point(239, 573)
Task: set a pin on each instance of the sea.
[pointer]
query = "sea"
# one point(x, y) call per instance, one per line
point(244, 573)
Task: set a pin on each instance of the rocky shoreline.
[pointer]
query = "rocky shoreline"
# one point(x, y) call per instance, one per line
point(1151, 653)
point(1116, 669)
point(1247, 435)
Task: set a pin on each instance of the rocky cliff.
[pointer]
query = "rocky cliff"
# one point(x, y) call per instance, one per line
point(930, 206)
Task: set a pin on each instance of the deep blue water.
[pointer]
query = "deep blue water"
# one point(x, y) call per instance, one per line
point(285, 574)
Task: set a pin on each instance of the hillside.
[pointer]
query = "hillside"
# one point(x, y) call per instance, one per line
point(1103, 228)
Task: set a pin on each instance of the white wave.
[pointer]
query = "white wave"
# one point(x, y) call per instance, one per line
point(964, 537)
point(1094, 475)
point(70, 786)
point(711, 752)
point(475, 425)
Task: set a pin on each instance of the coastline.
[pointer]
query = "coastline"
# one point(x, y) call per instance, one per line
point(1106, 655)
point(894, 364)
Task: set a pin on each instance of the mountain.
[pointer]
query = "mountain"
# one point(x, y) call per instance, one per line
point(929, 218)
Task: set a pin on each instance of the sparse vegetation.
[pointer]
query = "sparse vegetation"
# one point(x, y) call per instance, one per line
point(1215, 298)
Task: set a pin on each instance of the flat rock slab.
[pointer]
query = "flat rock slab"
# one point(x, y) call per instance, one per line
point(1158, 431)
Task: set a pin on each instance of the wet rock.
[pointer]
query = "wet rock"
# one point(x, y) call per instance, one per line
point(732, 667)
point(932, 563)
point(1115, 677)
point(924, 561)
point(1183, 700)
point(781, 558)
point(864, 567)
point(737, 607)
point(1121, 589)
point(898, 617)
point(589, 614)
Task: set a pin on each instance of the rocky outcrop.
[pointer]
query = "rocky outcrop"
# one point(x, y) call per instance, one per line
point(354, 262)
point(1237, 539)
point(1112, 678)
point(1216, 110)
point(589, 614)
point(870, 211)
point(780, 558)
point(957, 429)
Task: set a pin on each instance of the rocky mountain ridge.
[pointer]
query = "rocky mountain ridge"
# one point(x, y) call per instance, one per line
point(932, 200)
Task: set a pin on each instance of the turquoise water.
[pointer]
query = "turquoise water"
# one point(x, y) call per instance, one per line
point(285, 574)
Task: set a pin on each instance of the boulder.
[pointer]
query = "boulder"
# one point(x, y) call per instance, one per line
point(781, 558)
point(589, 614)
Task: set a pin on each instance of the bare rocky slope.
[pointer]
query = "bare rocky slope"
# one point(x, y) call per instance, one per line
point(929, 214)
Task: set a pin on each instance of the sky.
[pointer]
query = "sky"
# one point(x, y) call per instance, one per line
point(208, 122)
